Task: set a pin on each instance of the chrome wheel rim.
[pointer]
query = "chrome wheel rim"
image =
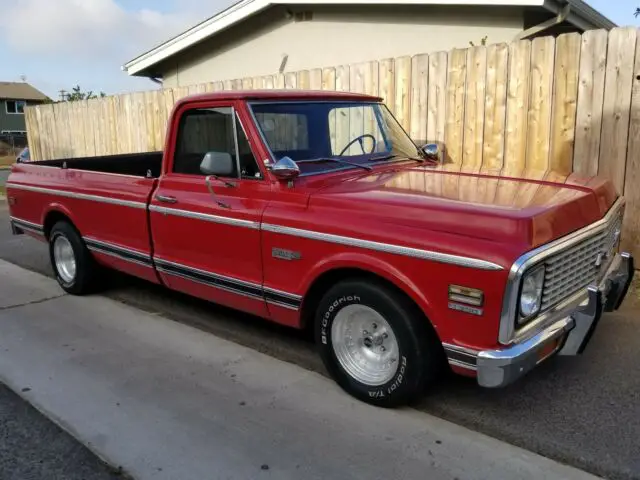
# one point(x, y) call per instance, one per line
point(65, 259)
point(365, 345)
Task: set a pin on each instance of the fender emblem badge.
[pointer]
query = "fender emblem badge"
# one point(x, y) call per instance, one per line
point(283, 254)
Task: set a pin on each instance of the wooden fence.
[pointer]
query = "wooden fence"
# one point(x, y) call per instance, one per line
point(546, 108)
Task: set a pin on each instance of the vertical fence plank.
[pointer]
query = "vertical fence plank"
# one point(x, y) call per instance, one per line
point(387, 82)
point(304, 80)
point(269, 82)
point(593, 62)
point(617, 101)
point(329, 78)
point(474, 108)
point(419, 98)
point(539, 124)
point(565, 99)
point(403, 91)
point(496, 108)
point(247, 83)
point(342, 123)
point(290, 80)
point(454, 131)
point(31, 127)
point(631, 226)
point(315, 79)
point(437, 99)
point(518, 94)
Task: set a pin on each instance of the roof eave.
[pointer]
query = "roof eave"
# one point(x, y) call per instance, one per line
point(582, 15)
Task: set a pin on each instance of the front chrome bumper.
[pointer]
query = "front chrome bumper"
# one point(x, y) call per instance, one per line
point(568, 335)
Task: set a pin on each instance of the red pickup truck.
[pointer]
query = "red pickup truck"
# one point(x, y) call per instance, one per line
point(315, 209)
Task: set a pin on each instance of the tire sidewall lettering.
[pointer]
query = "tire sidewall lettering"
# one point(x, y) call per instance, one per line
point(330, 313)
point(393, 384)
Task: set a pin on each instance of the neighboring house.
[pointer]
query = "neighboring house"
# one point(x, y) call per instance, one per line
point(261, 37)
point(14, 96)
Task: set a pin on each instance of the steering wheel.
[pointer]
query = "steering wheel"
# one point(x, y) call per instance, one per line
point(360, 139)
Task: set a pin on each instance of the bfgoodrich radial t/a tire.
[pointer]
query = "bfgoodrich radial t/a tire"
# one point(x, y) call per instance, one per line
point(375, 343)
point(72, 263)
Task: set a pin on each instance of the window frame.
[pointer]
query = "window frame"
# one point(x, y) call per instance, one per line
point(271, 160)
point(15, 102)
point(235, 120)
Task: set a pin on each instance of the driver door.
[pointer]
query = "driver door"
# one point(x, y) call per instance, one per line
point(207, 241)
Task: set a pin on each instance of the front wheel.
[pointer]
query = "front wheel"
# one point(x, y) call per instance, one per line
point(73, 264)
point(376, 344)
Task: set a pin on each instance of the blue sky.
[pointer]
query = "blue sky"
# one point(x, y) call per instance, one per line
point(57, 44)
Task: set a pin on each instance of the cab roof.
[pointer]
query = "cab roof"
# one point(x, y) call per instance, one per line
point(280, 95)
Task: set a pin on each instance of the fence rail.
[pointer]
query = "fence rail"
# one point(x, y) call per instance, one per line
point(547, 108)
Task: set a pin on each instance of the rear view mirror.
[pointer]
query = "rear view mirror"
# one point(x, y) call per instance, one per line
point(217, 164)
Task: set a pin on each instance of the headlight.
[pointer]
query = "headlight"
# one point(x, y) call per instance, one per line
point(531, 294)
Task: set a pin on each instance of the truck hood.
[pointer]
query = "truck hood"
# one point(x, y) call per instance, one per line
point(530, 210)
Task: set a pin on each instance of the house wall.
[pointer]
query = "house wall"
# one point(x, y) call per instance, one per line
point(9, 121)
point(337, 35)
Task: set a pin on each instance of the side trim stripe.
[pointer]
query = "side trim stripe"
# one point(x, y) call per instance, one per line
point(384, 247)
point(117, 250)
point(236, 222)
point(461, 356)
point(27, 226)
point(275, 297)
point(210, 280)
point(81, 196)
point(296, 232)
point(111, 253)
point(457, 363)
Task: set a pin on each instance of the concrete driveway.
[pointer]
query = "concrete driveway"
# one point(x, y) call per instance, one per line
point(164, 401)
point(584, 411)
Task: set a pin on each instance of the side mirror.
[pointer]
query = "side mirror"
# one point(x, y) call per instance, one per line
point(285, 169)
point(431, 150)
point(217, 164)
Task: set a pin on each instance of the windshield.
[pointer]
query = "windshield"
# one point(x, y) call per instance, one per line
point(356, 132)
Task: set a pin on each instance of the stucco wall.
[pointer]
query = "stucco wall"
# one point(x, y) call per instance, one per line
point(337, 35)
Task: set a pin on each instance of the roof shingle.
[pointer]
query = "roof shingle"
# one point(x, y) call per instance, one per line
point(20, 91)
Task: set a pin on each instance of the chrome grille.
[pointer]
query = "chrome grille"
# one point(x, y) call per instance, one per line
point(577, 267)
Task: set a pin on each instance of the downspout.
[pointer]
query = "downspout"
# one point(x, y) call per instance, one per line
point(552, 22)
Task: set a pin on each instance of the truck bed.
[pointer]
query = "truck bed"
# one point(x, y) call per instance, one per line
point(136, 164)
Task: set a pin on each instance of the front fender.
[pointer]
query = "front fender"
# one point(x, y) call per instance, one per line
point(373, 265)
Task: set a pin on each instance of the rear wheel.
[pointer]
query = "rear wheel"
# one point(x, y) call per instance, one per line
point(376, 344)
point(72, 263)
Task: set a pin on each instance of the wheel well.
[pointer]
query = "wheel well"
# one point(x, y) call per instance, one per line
point(325, 281)
point(52, 218)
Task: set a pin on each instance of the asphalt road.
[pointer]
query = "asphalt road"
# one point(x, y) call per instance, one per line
point(4, 174)
point(584, 411)
point(34, 448)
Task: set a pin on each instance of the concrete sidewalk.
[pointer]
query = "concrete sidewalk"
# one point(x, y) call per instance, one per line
point(166, 401)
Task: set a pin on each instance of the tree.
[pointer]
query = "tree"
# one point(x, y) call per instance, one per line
point(78, 94)
point(483, 41)
point(637, 11)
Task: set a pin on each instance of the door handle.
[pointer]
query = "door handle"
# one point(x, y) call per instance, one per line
point(166, 199)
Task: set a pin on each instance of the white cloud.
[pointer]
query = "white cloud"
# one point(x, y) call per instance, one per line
point(93, 30)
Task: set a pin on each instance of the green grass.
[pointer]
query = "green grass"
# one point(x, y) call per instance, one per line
point(6, 162)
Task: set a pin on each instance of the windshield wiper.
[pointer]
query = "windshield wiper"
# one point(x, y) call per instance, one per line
point(337, 160)
point(391, 157)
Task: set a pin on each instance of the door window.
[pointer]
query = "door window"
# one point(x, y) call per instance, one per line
point(217, 129)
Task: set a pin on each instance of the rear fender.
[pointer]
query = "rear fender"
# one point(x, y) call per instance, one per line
point(57, 208)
